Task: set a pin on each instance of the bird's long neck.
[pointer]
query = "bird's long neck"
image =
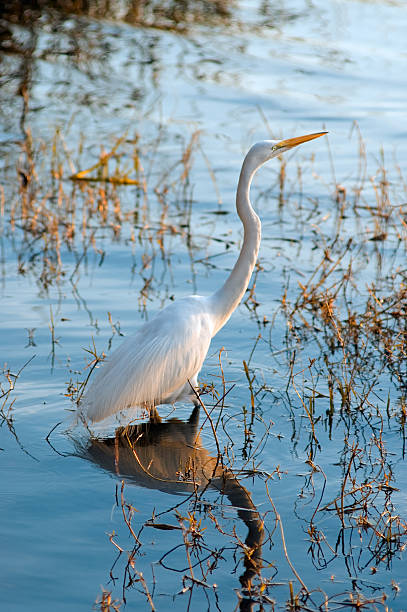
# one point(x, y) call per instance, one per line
point(227, 298)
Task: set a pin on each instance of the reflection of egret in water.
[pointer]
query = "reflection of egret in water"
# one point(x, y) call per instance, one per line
point(168, 456)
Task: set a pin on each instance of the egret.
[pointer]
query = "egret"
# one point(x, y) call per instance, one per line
point(160, 363)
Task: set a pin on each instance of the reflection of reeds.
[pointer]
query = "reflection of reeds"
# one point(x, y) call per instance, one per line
point(8, 382)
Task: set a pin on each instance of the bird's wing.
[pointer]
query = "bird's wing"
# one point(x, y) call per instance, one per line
point(153, 363)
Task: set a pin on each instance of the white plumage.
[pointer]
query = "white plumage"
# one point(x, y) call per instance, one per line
point(145, 370)
point(159, 363)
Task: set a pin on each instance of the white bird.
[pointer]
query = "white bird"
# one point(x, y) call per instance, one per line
point(160, 363)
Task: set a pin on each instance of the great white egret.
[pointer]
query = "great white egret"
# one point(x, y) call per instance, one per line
point(160, 363)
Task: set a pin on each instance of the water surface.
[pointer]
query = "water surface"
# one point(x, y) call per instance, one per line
point(215, 83)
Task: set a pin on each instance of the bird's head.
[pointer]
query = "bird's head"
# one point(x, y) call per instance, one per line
point(262, 151)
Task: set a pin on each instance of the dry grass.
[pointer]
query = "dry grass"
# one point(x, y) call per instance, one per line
point(58, 208)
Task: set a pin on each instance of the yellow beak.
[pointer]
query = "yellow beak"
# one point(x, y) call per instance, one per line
point(293, 142)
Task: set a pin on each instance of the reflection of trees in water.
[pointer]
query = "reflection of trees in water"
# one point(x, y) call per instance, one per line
point(156, 13)
point(69, 38)
point(169, 456)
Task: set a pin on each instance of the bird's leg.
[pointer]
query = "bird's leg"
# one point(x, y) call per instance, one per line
point(154, 416)
point(194, 417)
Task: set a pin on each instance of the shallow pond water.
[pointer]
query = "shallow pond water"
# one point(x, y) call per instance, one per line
point(300, 495)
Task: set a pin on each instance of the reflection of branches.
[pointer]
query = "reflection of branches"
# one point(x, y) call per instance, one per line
point(6, 407)
point(364, 509)
point(367, 509)
point(279, 521)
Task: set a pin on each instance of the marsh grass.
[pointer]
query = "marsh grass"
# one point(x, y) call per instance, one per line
point(59, 208)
